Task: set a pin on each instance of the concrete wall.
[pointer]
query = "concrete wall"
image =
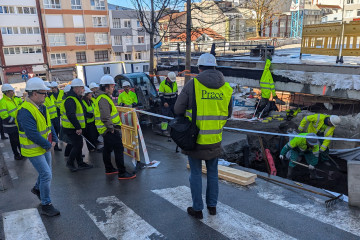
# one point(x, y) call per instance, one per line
point(19, 59)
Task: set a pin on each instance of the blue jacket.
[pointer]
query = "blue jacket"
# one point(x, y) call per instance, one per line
point(27, 124)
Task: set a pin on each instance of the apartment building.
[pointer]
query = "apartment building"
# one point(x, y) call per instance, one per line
point(279, 26)
point(130, 42)
point(352, 10)
point(76, 31)
point(22, 54)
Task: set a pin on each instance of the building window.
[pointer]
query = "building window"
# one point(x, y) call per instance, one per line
point(99, 21)
point(127, 23)
point(78, 21)
point(350, 1)
point(101, 56)
point(128, 40)
point(116, 23)
point(127, 56)
point(117, 40)
point(358, 12)
point(81, 57)
point(80, 39)
point(57, 39)
point(58, 58)
point(138, 56)
point(23, 30)
point(52, 4)
point(26, 10)
point(138, 24)
point(101, 38)
point(141, 39)
point(76, 4)
point(11, 51)
point(348, 13)
point(7, 10)
point(97, 4)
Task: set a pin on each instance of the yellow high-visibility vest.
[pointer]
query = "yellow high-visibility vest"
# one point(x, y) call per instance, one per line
point(9, 108)
point(59, 99)
point(90, 109)
point(166, 91)
point(114, 115)
point(50, 107)
point(127, 98)
point(212, 112)
point(79, 115)
point(267, 84)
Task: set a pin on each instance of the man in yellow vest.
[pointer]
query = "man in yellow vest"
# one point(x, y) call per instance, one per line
point(57, 97)
point(73, 123)
point(9, 106)
point(323, 126)
point(127, 98)
point(90, 132)
point(214, 107)
point(94, 87)
point(37, 136)
point(108, 124)
point(168, 92)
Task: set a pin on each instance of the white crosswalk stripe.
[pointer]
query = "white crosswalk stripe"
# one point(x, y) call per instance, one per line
point(228, 221)
point(24, 225)
point(117, 221)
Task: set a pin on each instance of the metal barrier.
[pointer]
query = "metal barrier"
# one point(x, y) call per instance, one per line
point(351, 42)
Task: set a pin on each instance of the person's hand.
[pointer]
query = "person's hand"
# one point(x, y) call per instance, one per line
point(79, 132)
point(166, 105)
point(112, 131)
point(53, 144)
point(281, 157)
point(311, 167)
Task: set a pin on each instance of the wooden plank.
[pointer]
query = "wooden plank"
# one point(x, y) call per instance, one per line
point(233, 172)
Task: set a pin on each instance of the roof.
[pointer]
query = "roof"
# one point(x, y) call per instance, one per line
point(195, 34)
point(172, 15)
point(328, 6)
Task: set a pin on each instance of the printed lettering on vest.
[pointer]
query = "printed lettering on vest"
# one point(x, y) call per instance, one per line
point(211, 95)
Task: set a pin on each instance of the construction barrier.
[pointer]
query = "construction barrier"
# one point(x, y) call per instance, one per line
point(351, 42)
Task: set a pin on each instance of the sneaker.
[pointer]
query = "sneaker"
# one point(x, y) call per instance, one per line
point(84, 166)
point(18, 157)
point(3, 137)
point(195, 214)
point(111, 171)
point(36, 192)
point(140, 165)
point(126, 175)
point(71, 167)
point(212, 210)
point(49, 210)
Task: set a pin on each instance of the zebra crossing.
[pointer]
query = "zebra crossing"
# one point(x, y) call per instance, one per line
point(116, 220)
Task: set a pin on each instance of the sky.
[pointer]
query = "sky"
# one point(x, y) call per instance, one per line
point(123, 3)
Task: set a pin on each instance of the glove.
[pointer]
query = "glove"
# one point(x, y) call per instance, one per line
point(311, 167)
point(281, 157)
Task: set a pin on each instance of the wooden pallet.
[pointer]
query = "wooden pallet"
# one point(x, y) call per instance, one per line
point(233, 175)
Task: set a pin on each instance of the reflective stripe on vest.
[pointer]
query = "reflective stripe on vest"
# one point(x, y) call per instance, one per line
point(28, 147)
point(50, 106)
point(114, 115)
point(89, 109)
point(59, 100)
point(212, 111)
point(79, 115)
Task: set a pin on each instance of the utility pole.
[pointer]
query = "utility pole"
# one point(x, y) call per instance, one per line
point(151, 33)
point(188, 41)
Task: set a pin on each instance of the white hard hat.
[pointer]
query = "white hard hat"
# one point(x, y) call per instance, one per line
point(77, 83)
point(207, 59)
point(93, 85)
point(172, 76)
point(47, 84)
point(87, 90)
point(107, 79)
point(312, 141)
point(7, 87)
point(126, 84)
point(35, 83)
point(67, 88)
point(54, 84)
point(335, 120)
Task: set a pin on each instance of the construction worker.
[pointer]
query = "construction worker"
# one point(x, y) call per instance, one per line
point(323, 126)
point(51, 108)
point(108, 124)
point(90, 132)
point(168, 92)
point(127, 98)
point(37, 136)
point(62, 135)
point(57, 97)
point(299, 147)
point(9, 106)
point(93, 87)
point(214, 107)
point(73, 122)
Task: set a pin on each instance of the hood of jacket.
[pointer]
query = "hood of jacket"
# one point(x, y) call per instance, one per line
point(211, 78)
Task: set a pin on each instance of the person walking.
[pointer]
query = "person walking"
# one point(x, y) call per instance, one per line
point(73, 122)
point(37, 136)
point(127, 98)
point(9, 106)
point(90, 132)
point(51, 108)
point(213, 108)
point(108, 124)
point(56, 96)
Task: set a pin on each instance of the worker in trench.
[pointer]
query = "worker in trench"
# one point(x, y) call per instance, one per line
point(300, 147)
point(127, 98)
point(323, 126)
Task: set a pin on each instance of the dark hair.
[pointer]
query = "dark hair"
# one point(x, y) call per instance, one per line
point(103, 87)
point(203, 68)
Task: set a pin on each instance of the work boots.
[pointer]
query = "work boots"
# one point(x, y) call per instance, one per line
point(290, 173)
point(314, 176)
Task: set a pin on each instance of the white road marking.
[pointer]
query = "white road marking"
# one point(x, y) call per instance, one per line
point(24, 225)
point(117, 221)
point(228, 221)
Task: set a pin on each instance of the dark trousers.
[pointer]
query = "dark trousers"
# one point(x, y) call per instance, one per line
point(91, 134)
point(56, 123)
point(15, 142)
point(68, 149)
point(76, 150)
point(1, 128)
point(113, 142)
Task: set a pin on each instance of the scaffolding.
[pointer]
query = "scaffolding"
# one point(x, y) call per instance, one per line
point(297, 18)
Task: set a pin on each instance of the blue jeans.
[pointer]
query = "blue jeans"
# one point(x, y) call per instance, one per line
point(212, 188)
point(42, 164)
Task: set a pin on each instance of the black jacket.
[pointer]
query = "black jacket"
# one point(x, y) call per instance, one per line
point(70, 108)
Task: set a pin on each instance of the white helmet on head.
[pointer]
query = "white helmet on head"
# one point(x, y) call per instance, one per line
point(47, 84)
point(335, 120)
point(54, 84)
point(34, 84)
point(87, 90)
point(126, 84)
point(172, 76)
point(67, 88)
point(93, 85)
point(107, 79)
point(207, 59)
point(7, 87)
point(77, 83)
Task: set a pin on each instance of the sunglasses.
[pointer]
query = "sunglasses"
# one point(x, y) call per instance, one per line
point(43, 93)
